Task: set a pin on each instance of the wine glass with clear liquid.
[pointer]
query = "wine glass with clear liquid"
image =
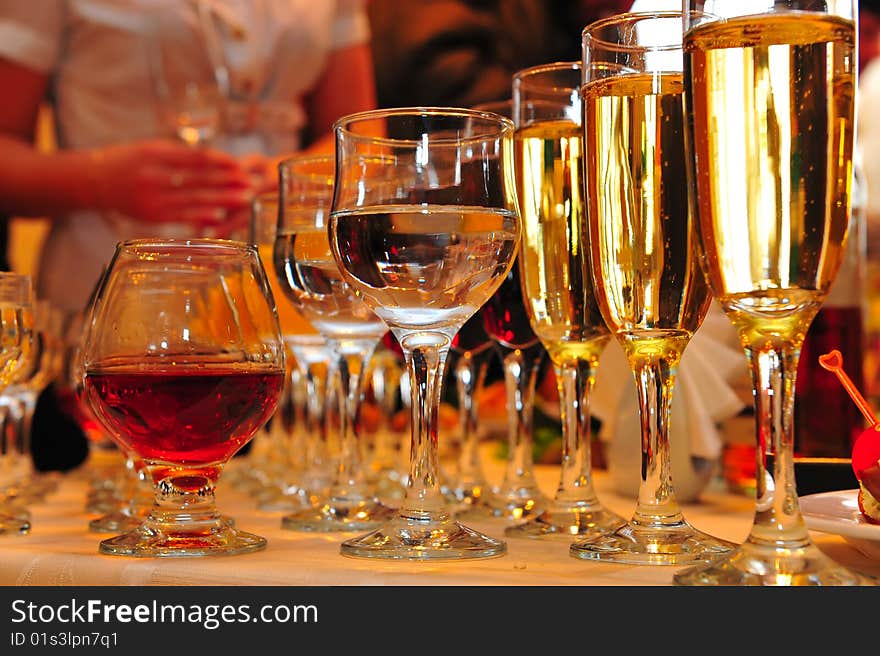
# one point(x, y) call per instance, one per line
point(558, 289)
point(769, 97)
point(425, 226)
point(183, 361)
point(312, 281)
point(646, 273)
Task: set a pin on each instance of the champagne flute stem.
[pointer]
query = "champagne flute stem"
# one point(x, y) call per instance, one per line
point(574, 380)
point(470, 373)
point(773, 368)
point(423, 498)
point(655, 379)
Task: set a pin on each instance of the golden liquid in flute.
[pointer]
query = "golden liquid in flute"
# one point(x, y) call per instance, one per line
point(650, 288)
point(770, 114)
point(555, 254)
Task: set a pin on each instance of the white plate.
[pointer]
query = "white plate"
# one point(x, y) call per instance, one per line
point(838, 512)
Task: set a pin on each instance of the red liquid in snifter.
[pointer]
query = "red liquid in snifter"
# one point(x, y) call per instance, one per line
point(184, 417)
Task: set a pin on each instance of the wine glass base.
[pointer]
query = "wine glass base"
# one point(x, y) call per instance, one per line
point(567, 522)
point(407, 538)
point(514, 505)
point(116, 522)
point(216, 538)
point(362, 515)
point(753, 564)
point(291, 500)
point(11, 525)
point(637, 544)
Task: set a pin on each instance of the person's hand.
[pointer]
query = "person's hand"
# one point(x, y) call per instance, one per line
point(262, 170)
point(162, 181)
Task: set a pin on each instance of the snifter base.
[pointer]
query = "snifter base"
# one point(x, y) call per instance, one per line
point(754, 564)
point(567, 522)
point(157, 538)
point(656, 544)
point(347, 515)
point(424, 538)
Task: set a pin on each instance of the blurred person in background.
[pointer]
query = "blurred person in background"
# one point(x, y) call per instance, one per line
point(465, 52)
point(117, 171)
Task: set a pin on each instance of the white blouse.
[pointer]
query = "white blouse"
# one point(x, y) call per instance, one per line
point(101, 58)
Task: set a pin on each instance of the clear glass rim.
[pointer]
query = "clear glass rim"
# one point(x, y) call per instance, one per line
point(588, 34)
point(298, 165)
point(342, 126)
point(525, 77)
point(177, 245)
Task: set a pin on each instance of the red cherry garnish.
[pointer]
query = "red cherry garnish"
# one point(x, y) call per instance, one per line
point(866, 450)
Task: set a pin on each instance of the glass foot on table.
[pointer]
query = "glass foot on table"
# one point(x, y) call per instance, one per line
point(158, 539)
point(362, 515)
point(413, 538)
point(675, 544)
point(567, 522)
point(11, 524)
point(755, 564)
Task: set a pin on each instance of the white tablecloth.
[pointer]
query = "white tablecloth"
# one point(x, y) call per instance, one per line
point(61, 550)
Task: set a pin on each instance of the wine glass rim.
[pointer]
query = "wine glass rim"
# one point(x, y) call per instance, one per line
point(525, 76)
point(340, 125)
point(588, 33)
point(312, 158)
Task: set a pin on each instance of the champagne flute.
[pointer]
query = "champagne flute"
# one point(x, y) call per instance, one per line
point(183, 361)
point(310, 276)
point(424, 225)
point(555, 265)
point(770, 107)
point(646, 273)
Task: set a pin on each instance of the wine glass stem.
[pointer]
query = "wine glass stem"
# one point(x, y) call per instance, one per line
point(423, 499)
point(316, 416)
point(574, 380)
point(655, 379)
point(349, 482)
point(777, 513)
point(521, 368)
point(470, 373)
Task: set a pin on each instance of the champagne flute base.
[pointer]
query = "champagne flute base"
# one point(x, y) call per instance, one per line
point(424, 538)
point(567, 521)
point(347, 515)
point(158, 538)
point(754, 564)
point(657, 544)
